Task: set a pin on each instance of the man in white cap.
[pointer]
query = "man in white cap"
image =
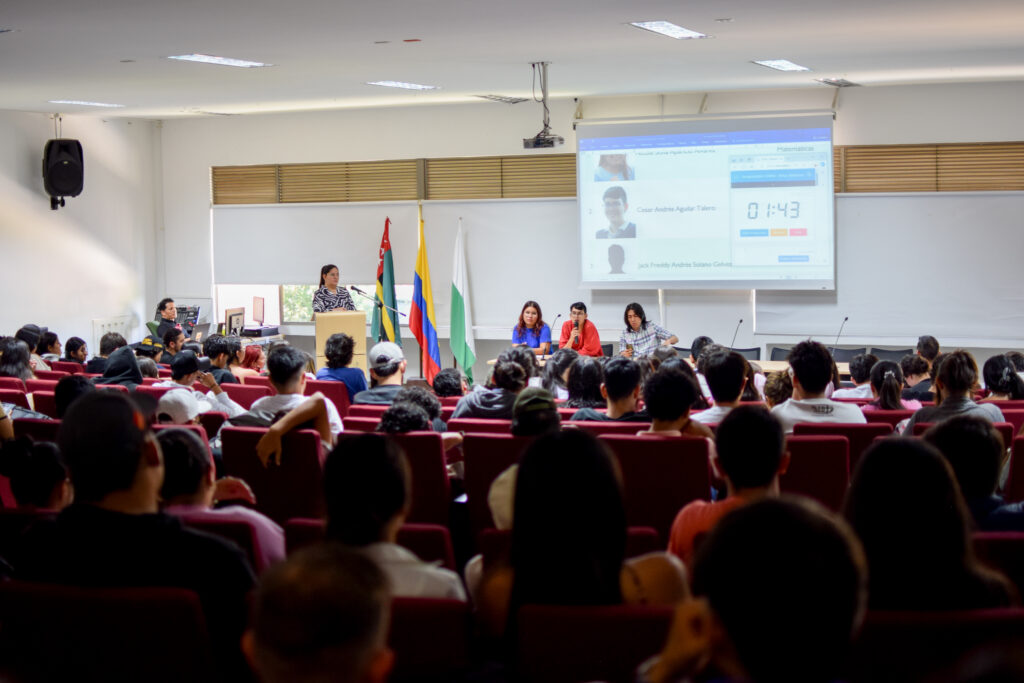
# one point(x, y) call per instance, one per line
point(185, 372)
point(387, 370)
point(179, 407)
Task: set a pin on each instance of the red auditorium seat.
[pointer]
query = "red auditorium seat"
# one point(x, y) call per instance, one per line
point(1015, 483)
point(336, 392)
point(430, 639)
point(197, 429)
point(239, 532)
point(34, 385)
point(150, 381)
point(245, 395)
point(51, 374)
point(212, 422)
point(493, 544)
point(155, 392)
point(45, 402)
point(819, 468)
point(889, 417)
point(58, 633)
point(431, 491)
point(487, 456)
point(259, 381)
point(605, 643)
point(479, 425)
point(367, 410)
point(860, 436)
point(1014, 416)
point(12, 383)
point(292, 489)
point(1002, 550)
point(15, 396)
point(659, 476)
point(429, 542)
point(164, 373)
point(360, 424)
point(70, 367)
point(1005, 430)
point(451, 401)
point(598, 428)
point(38, 430)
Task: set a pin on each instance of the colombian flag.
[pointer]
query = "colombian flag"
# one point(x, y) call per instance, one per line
point(421, 314)
point(386, 292)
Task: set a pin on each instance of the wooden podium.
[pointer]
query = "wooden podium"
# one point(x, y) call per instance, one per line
point(352, 323)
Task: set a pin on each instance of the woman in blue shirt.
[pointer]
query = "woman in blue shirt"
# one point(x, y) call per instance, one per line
point(531, 330)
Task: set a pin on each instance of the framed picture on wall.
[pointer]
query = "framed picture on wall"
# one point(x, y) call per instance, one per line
point(234, 321)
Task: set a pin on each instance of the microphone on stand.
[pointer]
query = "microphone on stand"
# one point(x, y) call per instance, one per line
point(356, 289)
point(839, 334)
point(734, 333)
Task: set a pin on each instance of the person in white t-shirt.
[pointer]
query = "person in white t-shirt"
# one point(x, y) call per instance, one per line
point(860, 373)
point(810, 367)
point(726, 372)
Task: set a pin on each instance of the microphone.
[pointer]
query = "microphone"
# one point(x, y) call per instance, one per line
point(839, 334)
point(555, 321)
point(576, 324)
point(734, 333)
point(356, 289)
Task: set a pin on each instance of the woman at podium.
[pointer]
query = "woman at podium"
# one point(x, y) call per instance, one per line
point(330, 297)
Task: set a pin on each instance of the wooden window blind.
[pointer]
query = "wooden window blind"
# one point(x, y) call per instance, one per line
point(244, 184)
point(465, 178)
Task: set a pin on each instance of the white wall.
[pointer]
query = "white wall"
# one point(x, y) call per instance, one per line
point(94, 258)
point(878, 115)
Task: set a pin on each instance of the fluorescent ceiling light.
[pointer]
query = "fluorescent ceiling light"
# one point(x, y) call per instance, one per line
point(837, 82)
point(6, 30)
point(223, 61)
point(400, 84)
point(504, 99)
point(667, 28)
point(780, 65)
point(86, 104)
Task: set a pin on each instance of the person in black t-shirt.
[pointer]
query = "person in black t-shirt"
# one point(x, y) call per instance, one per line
point(218, 349)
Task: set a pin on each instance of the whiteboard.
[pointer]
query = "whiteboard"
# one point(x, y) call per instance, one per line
point(945, 264)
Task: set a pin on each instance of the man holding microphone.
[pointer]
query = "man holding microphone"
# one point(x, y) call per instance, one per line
point(580, 334)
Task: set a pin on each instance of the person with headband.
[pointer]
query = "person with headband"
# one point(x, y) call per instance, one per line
point(329, 297)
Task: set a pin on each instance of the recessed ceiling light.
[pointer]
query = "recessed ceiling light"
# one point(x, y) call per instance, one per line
point(837, 82)
point(406, 86)
point(222, 61)
point(381, 42)
point(724, 20)
point(127, 61)
point(780, 65)
point(667, 28)
point(86, 104)
point(504, 99)
point(6, 30)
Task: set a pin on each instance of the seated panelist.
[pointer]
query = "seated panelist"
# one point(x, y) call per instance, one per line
point(531, 330)
point(580, 334)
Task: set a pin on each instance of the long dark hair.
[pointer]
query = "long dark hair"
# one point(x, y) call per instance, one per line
point(584, 383)
point(521, 325)
point(569, 537)
point(555, 367)
point(326, 269)
point(1001, 377)
point(14, 359)
point(639, 310)
point(887, 380)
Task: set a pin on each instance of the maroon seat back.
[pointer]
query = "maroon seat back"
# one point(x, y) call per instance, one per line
point(599, 428)
point(259, 381)
point(913, 646)
point(360, 424)
point(155, 392)
point(164, 373)
point(479, 425)
point(68, 366)
point(369, 410)
point(239, 532)
point(34, 385)
point(431, 490)
point(487, 456)
point(1014, 416)
point(67, 633)
point(819, 468)
point(430, 639)
point(429, 542)
point(12, 383)
point(890, 417)
point(1005, 430)
point(45, 402)
point(447, 412)
point(1002, 550)
point(7, 499)
point(860, 436)
point(607, 643)
point(336, 392)
point(245, 395)
point(300, 532)
point(292, 489)
point(494, 544)
point(659, 476)
point(15, 396)
point(449, 401)
point(1015, 482)
point(37, 430)
point(149, 381)
point(54, 375)
point(194, 428)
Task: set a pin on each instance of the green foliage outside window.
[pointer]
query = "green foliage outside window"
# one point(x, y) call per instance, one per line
point(297, 303)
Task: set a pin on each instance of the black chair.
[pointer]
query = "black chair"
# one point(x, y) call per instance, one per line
point(893, 355)
point(779, 353)
point(750, 354)
point(606, 349)
point(846, 355)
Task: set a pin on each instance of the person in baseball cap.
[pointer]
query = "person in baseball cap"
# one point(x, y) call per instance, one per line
point(180, 407)
point(387, 370)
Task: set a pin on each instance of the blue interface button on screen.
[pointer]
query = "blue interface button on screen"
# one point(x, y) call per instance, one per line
point(773, 175)
point(754, 233)
point(794, 258)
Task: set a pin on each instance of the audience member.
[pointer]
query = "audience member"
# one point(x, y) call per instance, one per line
point(449, 382)
point(167, 314)
point(195, 347)
point(185, 373)
point(387, 370)
point(338, 350)
point(68, 390)
point(697, 345)
point(109, 342)
point(180, 408)
point(556, 373)
point(255, 359)
point(15, 359)
point(402, 417)
point(173, 340)
point(753, 390)
point(150, 347)
point(122, 368)
point(810, 368)
point(928, 348)
point(31, 334)
point(218, 349)
point(584, 382)
point(426, 400)
point(569, 538)
point(75, 350)
point(366, 486)
point(509, 379)
point(38, 477)
point(860, 373)
point(679, 365)
point(907, 510)
point(191, 488)
point(975, 451)
point(791, 618)
point(6, 424)
point(48, 348)
point(1002, 380)
point(957, 375)
point(750, 457)
point(321, 616)
point(1017, 358)
point(668, 394)
point(621, 391)
point(113, 534)
point(778, 388)
point(726, 374)
point(915, 375)
point(148, 367)
point(887, 389)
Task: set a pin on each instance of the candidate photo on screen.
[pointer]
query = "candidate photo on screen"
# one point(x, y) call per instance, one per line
point(616, 259)
point(615, 207)
point(613, 167)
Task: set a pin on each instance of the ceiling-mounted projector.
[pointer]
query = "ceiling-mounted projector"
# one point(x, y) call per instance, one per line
point(545, 139)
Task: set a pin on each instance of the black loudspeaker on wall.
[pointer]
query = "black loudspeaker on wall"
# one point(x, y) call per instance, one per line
point(63, 170)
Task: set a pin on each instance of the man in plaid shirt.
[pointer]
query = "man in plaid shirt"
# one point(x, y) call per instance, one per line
point(641, 336)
